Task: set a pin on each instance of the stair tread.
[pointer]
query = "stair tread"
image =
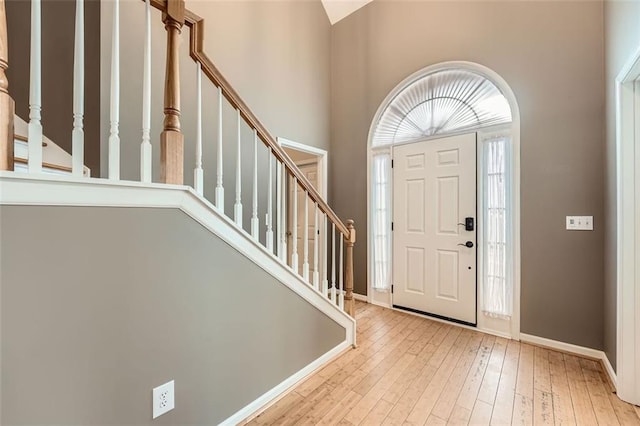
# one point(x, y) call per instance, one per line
point(45, 164)
point(25, 139)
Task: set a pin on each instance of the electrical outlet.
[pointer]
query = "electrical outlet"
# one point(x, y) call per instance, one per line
point(163, 399)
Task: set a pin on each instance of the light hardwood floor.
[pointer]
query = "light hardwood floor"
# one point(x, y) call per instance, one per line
point(411, 370)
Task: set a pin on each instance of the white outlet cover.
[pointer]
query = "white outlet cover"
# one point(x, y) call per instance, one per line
point(163, 399)
point(580, 223)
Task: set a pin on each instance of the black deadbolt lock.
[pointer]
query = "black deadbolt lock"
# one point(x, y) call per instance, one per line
point(468, 224)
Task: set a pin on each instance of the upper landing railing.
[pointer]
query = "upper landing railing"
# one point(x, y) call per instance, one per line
point(323, 257)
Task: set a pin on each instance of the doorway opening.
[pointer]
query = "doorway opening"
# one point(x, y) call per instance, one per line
point(313, 164)
point(443, 216)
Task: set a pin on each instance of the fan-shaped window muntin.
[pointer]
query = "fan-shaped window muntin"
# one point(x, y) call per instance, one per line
point(439, 103)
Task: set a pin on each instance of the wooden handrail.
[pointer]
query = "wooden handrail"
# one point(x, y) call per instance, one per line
point(7, 106)
point(196, 47)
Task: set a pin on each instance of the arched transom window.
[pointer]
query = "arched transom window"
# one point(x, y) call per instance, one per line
point(443, 102)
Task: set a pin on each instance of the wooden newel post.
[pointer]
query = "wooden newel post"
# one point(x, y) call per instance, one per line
point(7, 106)
point(348, 297)
point(171, 138)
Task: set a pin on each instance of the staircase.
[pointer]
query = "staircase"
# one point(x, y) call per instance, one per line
point(36, 175)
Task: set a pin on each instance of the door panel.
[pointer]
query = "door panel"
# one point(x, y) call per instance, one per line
point(434, 191)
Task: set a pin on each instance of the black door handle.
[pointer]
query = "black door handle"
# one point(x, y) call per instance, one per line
point(468, 244)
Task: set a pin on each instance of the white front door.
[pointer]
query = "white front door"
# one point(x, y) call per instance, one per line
point(434, 191)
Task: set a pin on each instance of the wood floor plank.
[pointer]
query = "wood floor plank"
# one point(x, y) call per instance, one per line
point(442, 342)
point(503, 407)
point(481, 414)
point(625, 412)
point(412, 370)
point(522, 410)
point(543, 408)
point(401, 384)
point(605, 415)
point(424, 406)
point(311, 384)
point(293, 415)
point(562, 405)
point(337, 412)
point(489, 386)
point(524, 385)
point(542, 374)
point(379, 412)
point(435, 421)
point(582, 408)
point(447, 400)
point(374, 395)
point(469, 392)
point(637, 410)
point(459, 416)
point(277, 409)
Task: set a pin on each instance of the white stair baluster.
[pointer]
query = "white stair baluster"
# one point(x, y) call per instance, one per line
point(305, 239)
point(35, 90)
point(316, 273)
point(270, 205)
point(255, 222)
point(325, 281)
point(280, 251)
point(114, 101)
point(77, 135)
point(282, 209)
point(294, 226)
point(198, 173)
point(333, 262)
point(237, 207)
point(340, 273)
point(219, 186)
point(145, 147)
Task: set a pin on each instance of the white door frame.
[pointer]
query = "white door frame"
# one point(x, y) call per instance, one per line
point(323, 161)
point(628, 230)
point(514, 127)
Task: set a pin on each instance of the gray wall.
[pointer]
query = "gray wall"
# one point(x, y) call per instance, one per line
point(622, 35)
point(551, 54)
point(58, 29)
point(89, 329)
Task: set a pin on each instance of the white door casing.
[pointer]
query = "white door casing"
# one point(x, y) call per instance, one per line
point(434, 191)
point(628, 232)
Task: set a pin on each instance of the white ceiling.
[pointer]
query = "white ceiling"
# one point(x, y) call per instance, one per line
point(339, 9)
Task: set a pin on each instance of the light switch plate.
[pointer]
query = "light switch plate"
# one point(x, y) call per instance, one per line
point(580, 223)
point(163, 399)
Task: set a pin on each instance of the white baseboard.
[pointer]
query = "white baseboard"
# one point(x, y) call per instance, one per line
point(273, 395)
point(360, 297)
point(610, 371)
point(582, 351)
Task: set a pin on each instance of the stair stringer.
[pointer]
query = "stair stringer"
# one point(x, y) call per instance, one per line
point(59, 190)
